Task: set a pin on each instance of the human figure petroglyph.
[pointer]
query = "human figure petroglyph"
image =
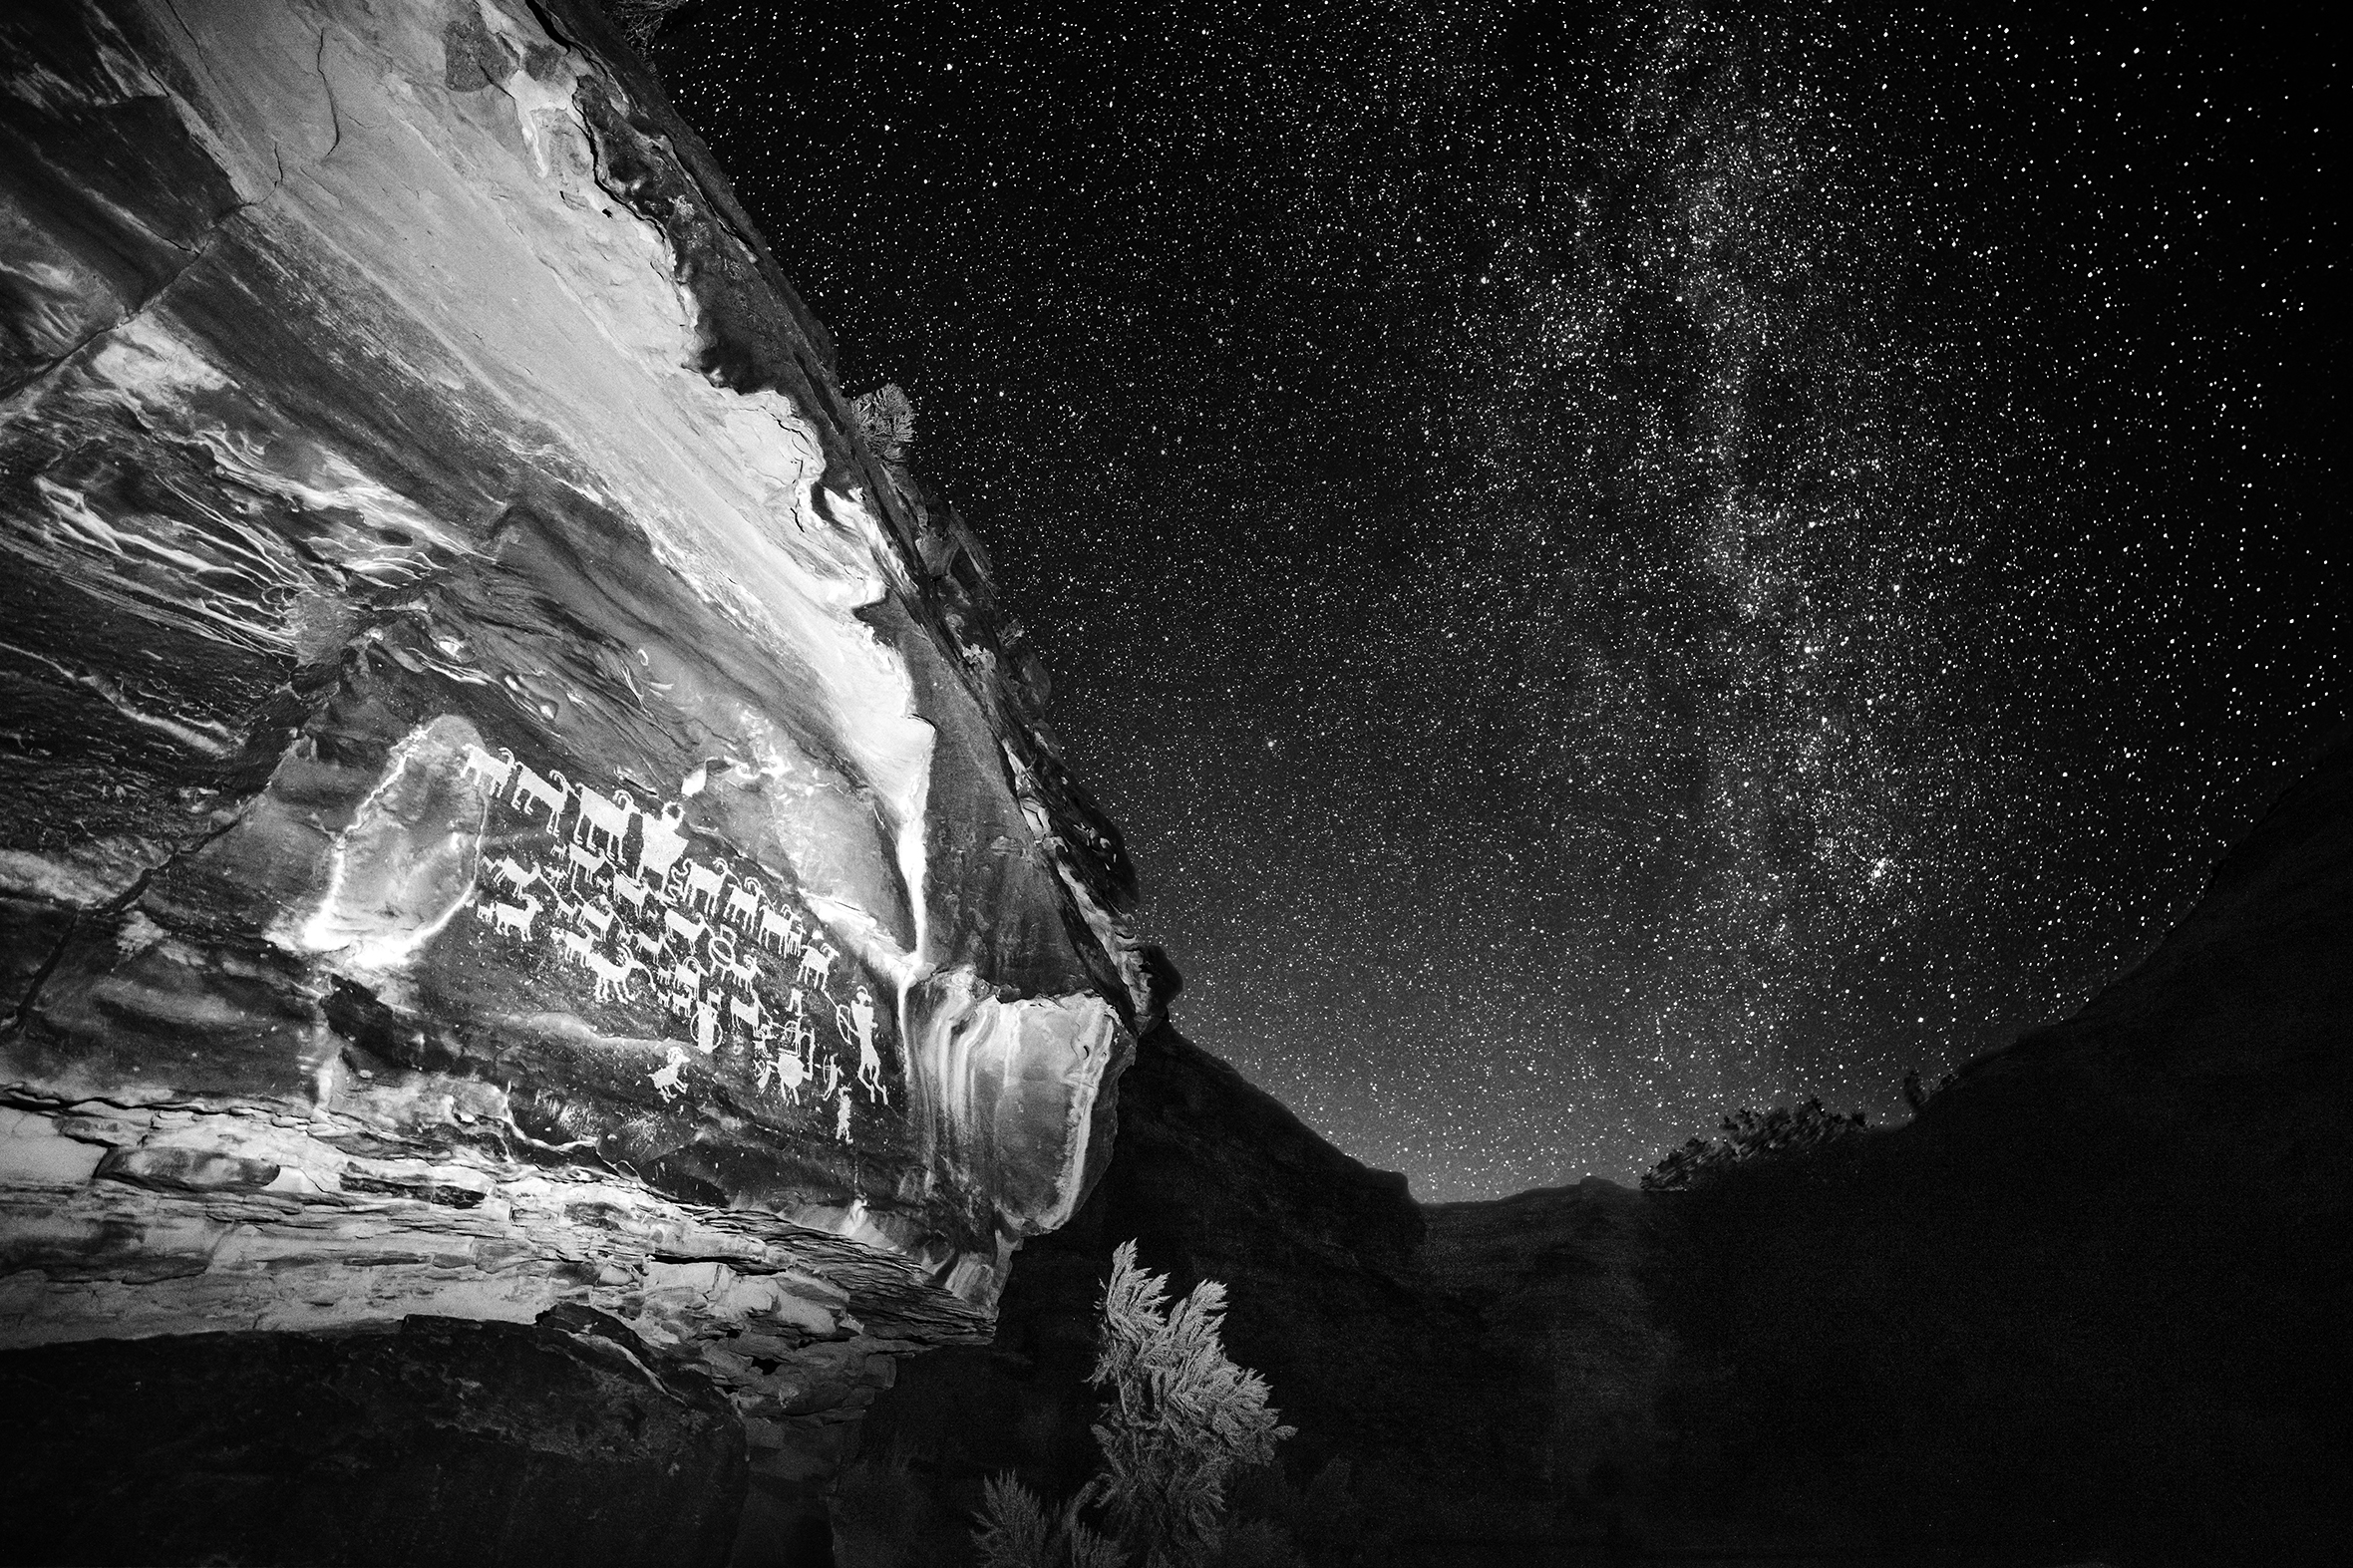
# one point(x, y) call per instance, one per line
point(791, 1072)
point(601, 820)
point(856, 1021)
point(768, 1062)
point(665, 1076)
point(706, 1027)
point(842, 1114)
point(516, 918)
point(550, 792)
point(493, 770)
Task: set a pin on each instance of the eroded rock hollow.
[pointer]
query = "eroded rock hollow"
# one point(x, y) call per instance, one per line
point(514, 808)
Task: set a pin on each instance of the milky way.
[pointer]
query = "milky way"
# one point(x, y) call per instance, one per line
point(1611, 564)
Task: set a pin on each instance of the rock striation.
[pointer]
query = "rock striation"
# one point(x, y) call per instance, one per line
point(510, 805)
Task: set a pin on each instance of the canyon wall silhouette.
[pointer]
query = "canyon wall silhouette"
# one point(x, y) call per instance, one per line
point(2086, 1306)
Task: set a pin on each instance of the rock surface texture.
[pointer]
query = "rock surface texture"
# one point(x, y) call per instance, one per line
point(2088, 1306)
point(511, 809)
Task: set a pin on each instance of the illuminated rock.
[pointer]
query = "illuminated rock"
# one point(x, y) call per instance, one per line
point(508, 803)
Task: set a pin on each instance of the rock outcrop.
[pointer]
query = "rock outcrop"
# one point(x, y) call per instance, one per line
point(510, 805)
point(2084, 1307)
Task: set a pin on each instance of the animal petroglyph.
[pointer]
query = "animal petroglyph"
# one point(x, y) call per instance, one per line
point(515, 919)
point(632, 892)
point(613, 978)
point(602, 822)
point(665, 1076)
point(550, 792)
point(702, 949)
point(661, 843)
point(702, 884)
point(743, 902)
point(493, 770)
point(691, 931)
point(579, 860)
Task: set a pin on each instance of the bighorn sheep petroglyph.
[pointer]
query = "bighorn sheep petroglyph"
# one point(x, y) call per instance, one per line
point(550, 792)
point(666, 1075)
point(613, 978)
point(516, 918)
point(493, 770)
point(604, 820)
point(702, 884)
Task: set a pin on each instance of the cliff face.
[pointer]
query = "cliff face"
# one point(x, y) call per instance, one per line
point(509, 801)
point(2087, 1306)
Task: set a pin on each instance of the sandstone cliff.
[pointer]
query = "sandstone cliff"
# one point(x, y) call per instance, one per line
point(513, 809)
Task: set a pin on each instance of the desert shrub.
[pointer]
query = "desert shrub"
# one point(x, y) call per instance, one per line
point(1181, 1420)
point(886, 418)
point(641, 19)
point(1016, 1532)
point(1749, 1134)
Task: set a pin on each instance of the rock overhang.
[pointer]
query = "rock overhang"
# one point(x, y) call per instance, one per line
point(515, 803)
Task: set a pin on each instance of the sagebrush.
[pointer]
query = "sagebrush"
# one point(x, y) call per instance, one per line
point(1181, 1420)
point(1749, 1134)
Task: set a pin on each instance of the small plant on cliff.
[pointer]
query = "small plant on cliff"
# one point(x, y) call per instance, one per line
point(1750, 1135)
point(1015, 1532)
point(1181, 1419)
point(641, 19)
point(886, 417)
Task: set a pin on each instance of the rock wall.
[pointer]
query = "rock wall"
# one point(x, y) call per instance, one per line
point(509, 803)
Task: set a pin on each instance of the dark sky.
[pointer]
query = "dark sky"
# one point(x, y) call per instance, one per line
point(1612, 562)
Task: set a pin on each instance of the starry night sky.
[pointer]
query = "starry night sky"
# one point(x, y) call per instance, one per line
point(1612, 562)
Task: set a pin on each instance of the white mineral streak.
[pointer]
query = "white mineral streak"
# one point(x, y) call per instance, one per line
point(581, 332)
point(400, 872)
point(992, 1056)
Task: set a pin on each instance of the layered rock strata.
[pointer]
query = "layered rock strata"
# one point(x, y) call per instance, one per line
point(509, 802)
